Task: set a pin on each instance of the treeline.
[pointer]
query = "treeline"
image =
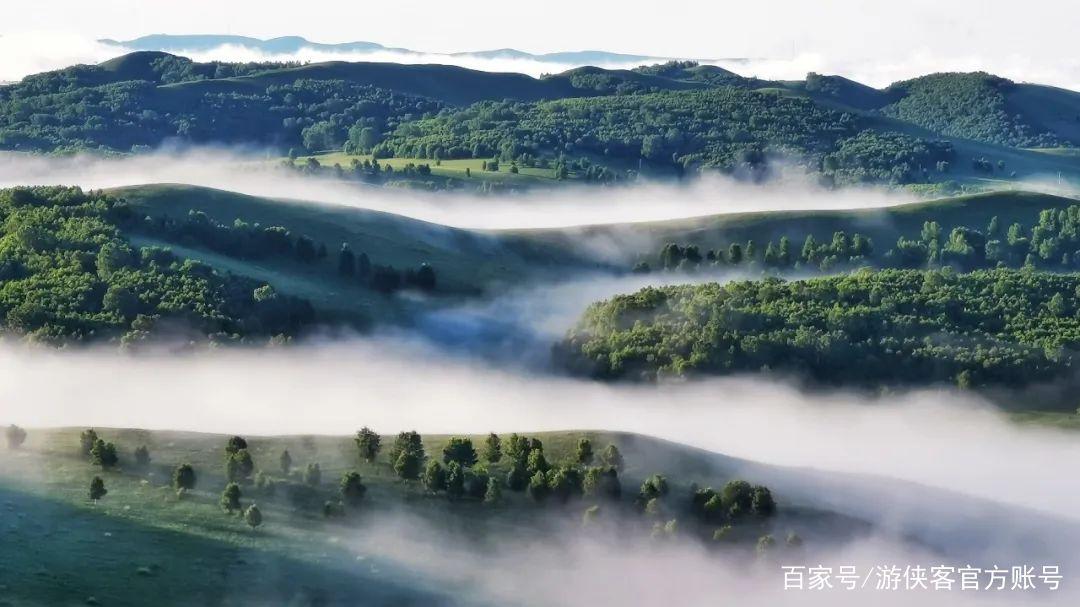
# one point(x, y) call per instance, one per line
point(67, 274)
point(1000, 327)
point(588, 476)
point(125, 107)
point(1052, 242)
point(255, 241)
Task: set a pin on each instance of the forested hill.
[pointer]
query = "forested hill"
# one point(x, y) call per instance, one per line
point(992, 328)
point(677, 117)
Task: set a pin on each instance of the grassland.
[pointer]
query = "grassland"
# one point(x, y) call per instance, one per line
point(140, 539)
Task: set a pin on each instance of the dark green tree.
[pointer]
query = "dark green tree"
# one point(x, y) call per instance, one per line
point(368, 444)
point(97, 488)
point(230, 498)
point(352, 489)
point(493, 448)
point(459, 450)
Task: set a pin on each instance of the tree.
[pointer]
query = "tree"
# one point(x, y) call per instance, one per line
point(493, 495)
point(459, 450)
point(103, 454)
point(761, 502)
point(565, 482)
point(455, 480)
point(87, 440)
point(352, 489)
point(492, 448)
point(142, 456)
point(612, 457)
point(537, 462)
point(97, 488)
point(363, 266)
point(517, 478)
point(602, 482)
point(230, 498)
point(737, 497)
point(408, 465)
point(253, 516)
point(184, 477)
point(235, 444)
point(538, 487)
point(313, 475)
point(285, 462)
point(368, 444)
point(654, 487)
point(434, 476)
point(585, 452)
point(16, 436)
point(239, 466)
point(407, 441)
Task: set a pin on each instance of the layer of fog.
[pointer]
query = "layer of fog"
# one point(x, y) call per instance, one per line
point(601, 566)
point(934, 438)
point(249, 173)
point(27, 53)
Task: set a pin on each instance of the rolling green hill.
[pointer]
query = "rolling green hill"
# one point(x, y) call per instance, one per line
point(589, 123)
point(141, 539)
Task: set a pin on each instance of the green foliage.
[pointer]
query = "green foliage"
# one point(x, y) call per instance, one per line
point(868, 328)
point(352, 489)
point(230, 498)
point(654, 487)
point(602, 482)
point(455, 480)
point(253, 516)
point(184, 477)
point(612, 457)
point(313, 475)
point(239, 466)
point(69, 275)
point(407, 454)
point(459, 450)
point(103, 454)
point(368, 444)
point(97, 488)
point(538, 488)
point(434, 476)
point(584, 454)
point(493, 448)
point(87, 439)
point(493, 494)
point(971, 106)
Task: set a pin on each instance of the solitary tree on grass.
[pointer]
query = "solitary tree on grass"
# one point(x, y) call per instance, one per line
point(230, 498)
point(97, 488)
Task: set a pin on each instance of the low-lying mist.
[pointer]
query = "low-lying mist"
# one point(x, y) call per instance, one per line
point(22, 54)
point(575, 566)
point(935, 439)
point(253, 174)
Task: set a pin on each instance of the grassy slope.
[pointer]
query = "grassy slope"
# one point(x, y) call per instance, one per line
point(467, 262)
point(882, 225)
point(69, 548)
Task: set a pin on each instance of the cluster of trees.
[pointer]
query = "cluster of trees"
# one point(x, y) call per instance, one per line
point(971, 106)
point(840, 251)
point(255, 241)
point(1052, 242)
point(721, 127)
point(125, 105)
point(997, 327)
point(67, 273)
point(873, 157)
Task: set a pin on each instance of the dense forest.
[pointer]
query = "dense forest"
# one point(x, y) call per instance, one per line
point(676, 117)
point(892, 327)
point(67, 274)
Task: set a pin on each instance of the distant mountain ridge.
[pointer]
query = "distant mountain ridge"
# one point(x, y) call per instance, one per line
point(179, 43)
